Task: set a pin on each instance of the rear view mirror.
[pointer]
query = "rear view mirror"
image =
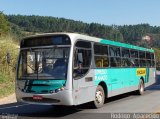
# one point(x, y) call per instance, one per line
point(8, 57)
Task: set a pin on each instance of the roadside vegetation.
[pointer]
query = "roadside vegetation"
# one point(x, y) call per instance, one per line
point(7, 44)
point(7, 71)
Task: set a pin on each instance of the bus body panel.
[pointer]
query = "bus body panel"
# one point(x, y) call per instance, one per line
point(84, 88)
point(118, 81)
point(61, 98)
point(152, 77)
point(123, 80)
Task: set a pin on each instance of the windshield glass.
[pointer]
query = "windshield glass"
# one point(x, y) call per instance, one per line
point(50, 63)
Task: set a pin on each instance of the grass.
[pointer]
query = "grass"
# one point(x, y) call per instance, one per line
point(7, 73)
point(6, 85)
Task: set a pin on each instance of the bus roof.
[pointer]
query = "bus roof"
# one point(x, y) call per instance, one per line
point(94, 39)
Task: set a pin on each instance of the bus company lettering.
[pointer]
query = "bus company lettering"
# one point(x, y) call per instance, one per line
point(100, 75)
point(141, 71)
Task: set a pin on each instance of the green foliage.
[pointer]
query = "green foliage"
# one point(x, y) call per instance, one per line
point(8, 45)
point(4, 25)
point(17, 32)
point(40, 24)
point(6, 85)
point(7, 73)
point(133, 33)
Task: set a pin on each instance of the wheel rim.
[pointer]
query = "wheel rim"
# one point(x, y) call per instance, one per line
point(99, 97)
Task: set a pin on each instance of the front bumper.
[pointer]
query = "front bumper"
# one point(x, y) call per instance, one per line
point(60, 98)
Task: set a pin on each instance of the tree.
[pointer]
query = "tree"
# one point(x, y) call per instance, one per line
point(4, 24)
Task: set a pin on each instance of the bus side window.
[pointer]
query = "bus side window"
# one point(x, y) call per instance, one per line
point(101, 61)
point(142, 56)
point(125, 57)
point(115, 56)
point(134, 58)
point(148, 59)
point(115, 62)
point(101, 55)
point(82, 59)
point(152, 60)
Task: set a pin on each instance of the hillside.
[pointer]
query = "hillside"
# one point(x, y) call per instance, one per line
point(141, 34)
point(131, 34)
point(51, 24)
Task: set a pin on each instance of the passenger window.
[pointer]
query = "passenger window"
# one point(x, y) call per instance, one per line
point(134, 54)
point(82, 59)
point(148, 59)
point(125, 53)
point(152, 60)
point(114, 51)
point(126, 60)
point(134, 60)
point(148, 56)
point(152, 56)
point(101, 61)
point(142, 62)
point(148, 63)
point(101, 55)
point(100, 49)
point(153, 63)
point(115, 56)
point(142, 56)
point(115, 62)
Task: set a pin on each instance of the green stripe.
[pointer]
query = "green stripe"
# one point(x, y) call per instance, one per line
point(117, 78)
point(109, 42)
point(44, 85)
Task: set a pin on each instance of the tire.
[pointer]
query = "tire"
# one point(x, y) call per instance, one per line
point(140, 88)
point(99, 97)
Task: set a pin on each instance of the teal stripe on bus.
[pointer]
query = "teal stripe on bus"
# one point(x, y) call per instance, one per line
point(40, 85)
point(116, 78)
point(109, 42)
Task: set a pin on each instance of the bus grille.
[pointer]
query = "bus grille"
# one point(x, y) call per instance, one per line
point(44, 100)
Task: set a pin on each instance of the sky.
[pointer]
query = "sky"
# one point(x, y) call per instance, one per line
point(108, 12)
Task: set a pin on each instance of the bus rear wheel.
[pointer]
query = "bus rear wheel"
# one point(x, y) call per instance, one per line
point(141, 88)
point(99, 97)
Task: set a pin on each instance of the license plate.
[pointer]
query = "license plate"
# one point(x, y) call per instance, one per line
point(36, 97)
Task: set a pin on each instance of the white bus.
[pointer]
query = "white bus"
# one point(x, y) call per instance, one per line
point(72, 69)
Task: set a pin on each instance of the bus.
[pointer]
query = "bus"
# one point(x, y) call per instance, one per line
point(71, 69)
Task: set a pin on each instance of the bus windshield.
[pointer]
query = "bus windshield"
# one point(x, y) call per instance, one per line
point(38, 63)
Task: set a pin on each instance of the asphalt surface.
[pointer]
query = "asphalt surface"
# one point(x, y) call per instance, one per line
point(125, 104)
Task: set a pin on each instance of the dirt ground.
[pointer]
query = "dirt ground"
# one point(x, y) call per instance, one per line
point(9, 99)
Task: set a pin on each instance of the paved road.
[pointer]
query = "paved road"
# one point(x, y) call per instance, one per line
point(126, 103)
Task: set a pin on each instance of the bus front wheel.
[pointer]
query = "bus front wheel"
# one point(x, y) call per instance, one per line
point(141, 87)
point(99, 97)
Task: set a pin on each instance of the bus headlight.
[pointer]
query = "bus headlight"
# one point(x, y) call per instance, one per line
point(57, 90)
